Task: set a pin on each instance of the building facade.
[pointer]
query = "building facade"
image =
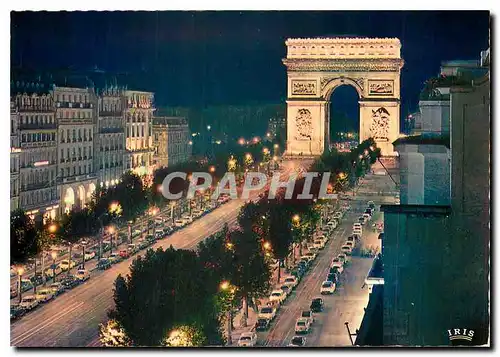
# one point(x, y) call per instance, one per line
point(111, 136)
point(139, 109)
point(32, 112)
point(171, 141)
point(76, 117)
point(15, 151)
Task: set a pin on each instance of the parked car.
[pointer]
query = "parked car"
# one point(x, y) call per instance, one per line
point(179, 223)
point(16, 312)
point(56, 288)
point(344, 257)
point(352, 239)
point(311, 255)
point(53, 268)
point(29, 302)
point(37, 279)
point(82, 275)
point(319, 243)
point(114, 258)
point(302, 325)
point(334, 270)
point(132, 249)
point(66, 264)
point(332, 224)
point(142, 243)
point(287, 290)
point(69, 282)
point(327, 287)
point(361, 220)
point(44, 295)
point(297, 341)
point(307, 314)
point(337, 263)
point(356, 225)
point(291, 281)
point(267, 312)
point(346, 248)
point(334, 278)
point(103, 264)
point(367, 217)
point(277, 295)
point(369, 211)
point(90, 255)
point(247, 339)
point(262, 324)
point(124, 253)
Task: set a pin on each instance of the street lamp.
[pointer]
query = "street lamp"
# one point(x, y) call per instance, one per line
point(267, 245)
point(224, 286)
point(20, 271)
point(296, 218)
point(172, 206)
point(153, 212)
point(209, 127)
point(54, 256)
point(211, 169)
point(111, 231)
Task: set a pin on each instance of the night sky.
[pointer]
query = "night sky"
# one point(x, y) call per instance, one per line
point(206, 58)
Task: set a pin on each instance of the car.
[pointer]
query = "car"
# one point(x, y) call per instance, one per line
point(26, 285)
point(53, 268)
point(356, 225)
point(369, 211)
point(277, 295)
point(150, 238)
point(132, 248)
point(66, 264)
point(124, 253)
point(16, 312)
point(37, 279)
point(29, 302)
point(338, 215)
point(356, 235)
point(44, 295)
point(247, 339)
point(291, 281)
point(103, 264)
point(142, 243)
point(308, 315)
point(371, 204)
point(346, 258)
point(90, 255)
point(311, 254)
point(367, 217)
point(56, 288)
point(334, 278)
point(160, 233)
point(69, 282)
point(309, 259)
point(327, 287)
point(179, 223)
point(297, 341)
point(361, 220)
point(334, 270)
point(319, 244)
point(352, 239)
point(302, 325)
point(82, 274)
point(357, 231)
point(114, 258)
point(304, 264)
point(267, 312)
point(346, 248)
point(349, 244)
point(136, 232)
point(316, 304)
point(331, 225)
point(287, 290)
point(262, 324)
point(336, 262)
point(275, 304)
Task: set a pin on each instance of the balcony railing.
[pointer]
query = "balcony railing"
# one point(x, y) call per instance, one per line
point(110, 114)
point(36, 126)
point(111, 130)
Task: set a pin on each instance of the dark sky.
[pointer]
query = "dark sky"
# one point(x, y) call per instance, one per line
point(203, 58)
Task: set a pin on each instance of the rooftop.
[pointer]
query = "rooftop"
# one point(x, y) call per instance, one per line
point(424, 139)
point(169, 121)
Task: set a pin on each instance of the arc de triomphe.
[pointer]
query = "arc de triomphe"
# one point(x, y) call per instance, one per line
point(315, 67)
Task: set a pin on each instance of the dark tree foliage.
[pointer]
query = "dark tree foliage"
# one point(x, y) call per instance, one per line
point(23, 237)
point(165, 289)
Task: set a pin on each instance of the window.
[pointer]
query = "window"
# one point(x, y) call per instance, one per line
point(74, 135)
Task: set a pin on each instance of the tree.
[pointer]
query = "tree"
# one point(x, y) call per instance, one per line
point(250, 272)
point(165, 289)
point(23, 237)
point(111, 334)
point(280, 232)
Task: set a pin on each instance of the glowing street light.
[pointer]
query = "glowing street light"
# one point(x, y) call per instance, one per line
point(267, 245)
point(54, 256)
point(268, 135)
point(190, 142)
point(209, 127)
point(372, 148)
point(229, 245)
point(296, 218)
point(211, 169)
point(224, 285)
point(52, 228)
point(241, 141)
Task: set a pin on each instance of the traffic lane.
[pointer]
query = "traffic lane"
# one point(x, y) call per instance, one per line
point(284, 328)
point(346, 305)
point(72, 319)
